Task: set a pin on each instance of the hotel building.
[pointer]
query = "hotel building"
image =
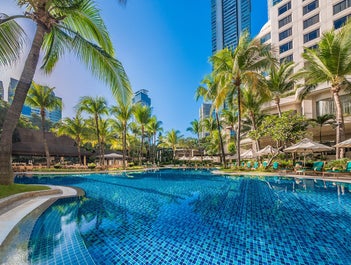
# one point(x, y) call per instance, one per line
point(293, 26)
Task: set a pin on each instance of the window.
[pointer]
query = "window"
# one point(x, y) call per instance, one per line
point(288, 58)
point(337, 8)
point(285, 47)
point(310, 21)
point(327, 106)
point(284, 21)
point(284, 8)
point(310, 7)
point(341, 21)
point(284, 34)
point(266, 38)
point(311, 36)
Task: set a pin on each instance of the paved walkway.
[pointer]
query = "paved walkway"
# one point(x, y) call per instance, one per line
point(28, 202)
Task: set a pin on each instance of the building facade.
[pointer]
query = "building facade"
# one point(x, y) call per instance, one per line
point(53, 116)
point(228, 19)
point(142, 97)
point(204, 112)
point(293, 26)
point(2, 95)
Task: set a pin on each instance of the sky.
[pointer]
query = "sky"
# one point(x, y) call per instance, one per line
point(164, 46)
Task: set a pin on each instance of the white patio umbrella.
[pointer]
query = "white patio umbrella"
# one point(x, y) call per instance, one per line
point(307, 146)
point(268, 150)
point(346, 143)
point(248, 154)
point(195, 158)
point(183, 158)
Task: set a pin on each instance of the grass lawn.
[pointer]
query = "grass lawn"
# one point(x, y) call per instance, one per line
point(7, 190)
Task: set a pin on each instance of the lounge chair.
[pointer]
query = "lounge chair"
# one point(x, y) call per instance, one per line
point(275, 165)
point(317, 168)
point(255, 165)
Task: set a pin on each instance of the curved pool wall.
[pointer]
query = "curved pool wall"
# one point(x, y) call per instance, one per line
point(193, 217)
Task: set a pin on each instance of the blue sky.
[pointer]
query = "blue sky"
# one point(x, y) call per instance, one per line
point(164, 47)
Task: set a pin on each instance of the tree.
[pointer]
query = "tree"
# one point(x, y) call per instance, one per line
point(280, 81)
point(252, 103)
point(172, 140)
point(42, 97)
point(289, 128)
point(95, 107)
point(123, 113)
point(142, 115)
point(240, 68)
point(330, 63)
point(322, 120)
point(154, 126)
point(62, 26)
point(74, 128)
point(209, 93)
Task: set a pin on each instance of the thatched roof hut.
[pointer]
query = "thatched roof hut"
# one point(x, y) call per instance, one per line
point(30, 142)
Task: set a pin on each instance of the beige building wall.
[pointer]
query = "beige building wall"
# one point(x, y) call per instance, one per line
point(321, 12)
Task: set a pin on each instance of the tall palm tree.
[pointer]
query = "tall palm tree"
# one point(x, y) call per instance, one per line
point(239, 68)
point(96, 107)
point(252, 103)
point(323, 120)
point(330, 63)
point(142, 116)
point(62, 26)
point(280, 82)
point(74, 128)
point(123, 113)
point(209, 93)
point(154, 126)
point(42, 97)
point(172, 139)
point(195, 128)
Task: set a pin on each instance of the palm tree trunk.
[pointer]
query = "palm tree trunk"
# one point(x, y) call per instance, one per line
point(14, 112)
point(98, 138)
point(239, 125)
point(220, 141)
point(340, 127)
point(79, 153)
point(141, 146)
point(277, 101)
point(124, 139)
point(46, 148)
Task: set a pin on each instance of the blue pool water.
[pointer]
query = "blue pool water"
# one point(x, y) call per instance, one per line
point(193, 217)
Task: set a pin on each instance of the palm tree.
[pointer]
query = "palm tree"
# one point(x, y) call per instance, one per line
point(195, 128)
point(172, 139)
point(209, 93)
point(280, 82)
point(61, 26)
point(142, 116)
point(252, 103)
point(330, 63)
point(323, 120)
point(95, 107)
point(74, 128)
point(240, 68)
point(123, 113)
point(154, 126)
point(42, 97)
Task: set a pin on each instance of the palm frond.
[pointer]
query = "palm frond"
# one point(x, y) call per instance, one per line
point(12, 38)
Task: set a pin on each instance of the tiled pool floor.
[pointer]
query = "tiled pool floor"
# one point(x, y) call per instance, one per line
point(192, 217)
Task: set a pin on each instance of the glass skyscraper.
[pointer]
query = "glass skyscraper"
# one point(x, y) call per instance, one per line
point(228, 19)
point(52, 115)
point(142, 98)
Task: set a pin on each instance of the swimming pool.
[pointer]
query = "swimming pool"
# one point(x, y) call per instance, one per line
point(194, 217)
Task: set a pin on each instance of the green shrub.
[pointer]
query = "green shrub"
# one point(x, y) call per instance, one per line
point(338, 164)
point(91, 165)
point(58, 165)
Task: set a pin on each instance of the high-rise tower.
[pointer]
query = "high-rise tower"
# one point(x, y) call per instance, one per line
point(228, 19)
